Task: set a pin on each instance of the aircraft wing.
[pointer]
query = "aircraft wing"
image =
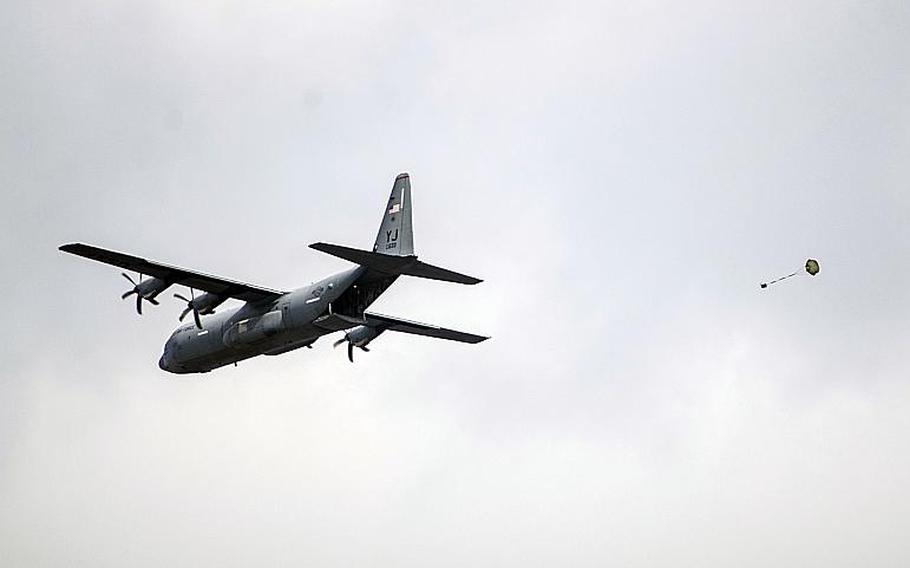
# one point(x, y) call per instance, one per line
point(416, 328)
point(174, 274)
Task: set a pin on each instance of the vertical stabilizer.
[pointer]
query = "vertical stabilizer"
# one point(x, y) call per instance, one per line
point(396, 236)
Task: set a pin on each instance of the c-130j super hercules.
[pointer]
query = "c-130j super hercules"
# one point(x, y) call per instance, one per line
point(272, 322)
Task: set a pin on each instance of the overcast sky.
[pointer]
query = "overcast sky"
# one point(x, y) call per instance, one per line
point(622, 176)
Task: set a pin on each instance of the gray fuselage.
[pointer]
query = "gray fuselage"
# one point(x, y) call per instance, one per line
point(291, 321)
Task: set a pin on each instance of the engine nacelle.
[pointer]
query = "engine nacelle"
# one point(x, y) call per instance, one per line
point(206, 303)
point(362, 336)
point(151, 287)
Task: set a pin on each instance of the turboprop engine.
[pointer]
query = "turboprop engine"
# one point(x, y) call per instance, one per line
point(145, 290)
point(360, 337)
point(200, 305)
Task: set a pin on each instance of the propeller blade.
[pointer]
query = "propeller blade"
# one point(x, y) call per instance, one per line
point(339, 342)
point(189, 308)
point(135, 289)
point(139, 304)
point(152, 301)
point(350, 351)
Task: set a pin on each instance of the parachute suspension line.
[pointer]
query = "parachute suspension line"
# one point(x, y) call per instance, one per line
point(766, 284)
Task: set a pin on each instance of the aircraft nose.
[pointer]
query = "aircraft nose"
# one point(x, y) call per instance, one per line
point(162, 364)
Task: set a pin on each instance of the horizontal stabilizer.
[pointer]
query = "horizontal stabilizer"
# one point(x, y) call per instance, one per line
point(404, 265)
point(424, 270)
point(405, 326)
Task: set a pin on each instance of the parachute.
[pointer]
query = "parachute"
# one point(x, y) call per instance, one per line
point(811, 268)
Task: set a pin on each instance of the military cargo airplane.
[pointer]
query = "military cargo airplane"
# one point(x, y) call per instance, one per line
point(272, 322)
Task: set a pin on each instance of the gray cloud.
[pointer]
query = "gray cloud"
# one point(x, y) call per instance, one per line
point(622, 176)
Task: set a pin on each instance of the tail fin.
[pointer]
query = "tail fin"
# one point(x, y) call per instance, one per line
point(393, 252)
point(396, 235)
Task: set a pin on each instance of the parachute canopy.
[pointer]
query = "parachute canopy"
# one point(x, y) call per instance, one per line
point(812, 269)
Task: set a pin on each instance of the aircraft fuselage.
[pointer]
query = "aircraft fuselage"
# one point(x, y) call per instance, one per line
point(291, 321)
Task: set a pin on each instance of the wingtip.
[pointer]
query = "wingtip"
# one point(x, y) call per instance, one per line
point(68, 247)
point(403, 175)
point(469, 280)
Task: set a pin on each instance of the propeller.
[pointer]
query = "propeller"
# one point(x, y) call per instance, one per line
point(190, 307)
point(350, 346)
point(358, 337)
point(136, 290)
